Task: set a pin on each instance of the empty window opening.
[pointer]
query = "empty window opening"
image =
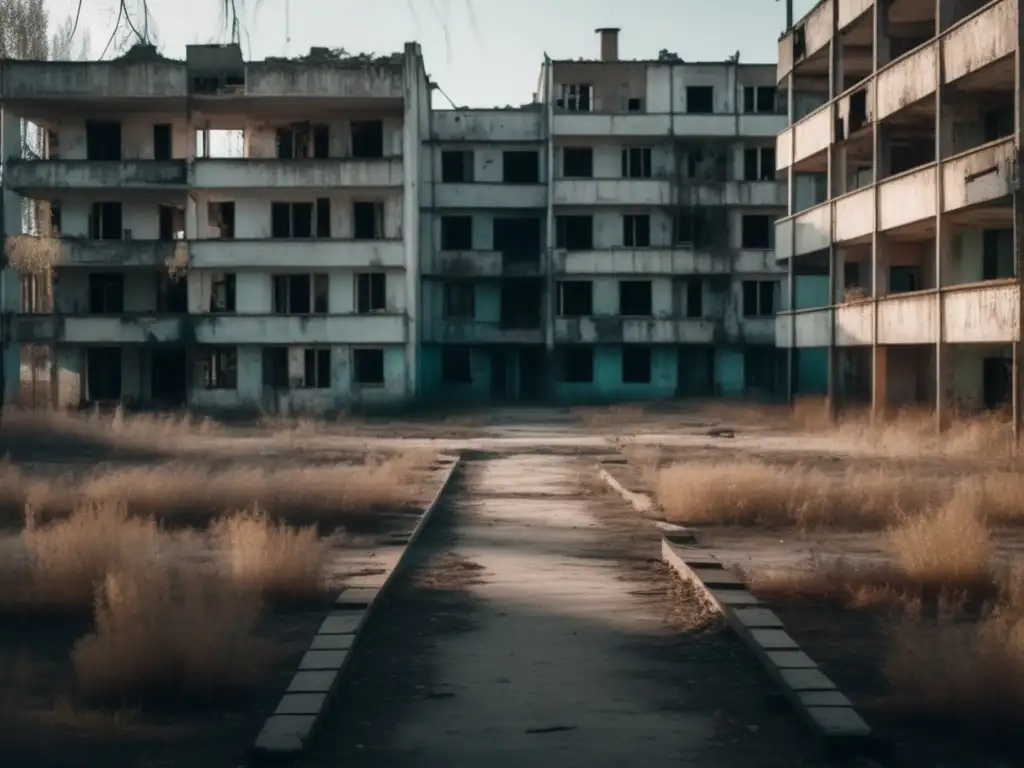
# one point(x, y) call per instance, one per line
point(291, 220)
point(634, 105)
point(220, 218)
point(323, 217)
point(520, 304)
point(700, 99)
point(636, 163)
point(317, 368)
point(576, 98)
point(759, 298)
point(761, 99)
point(702, 228)
point(368, 138)
point(55, 220)
point(574, 233)
point(300, 141)
point(217, 367)
point(371, 292)
point(106, 293)
point(636, 230)
point(851, 275)
point(171, 223)
point(223, 143)
point(757, 231)
point(799, 43)
point(459, 301)
point(456, 365)
point(858, 110)
point(222, 293)
point(275, 368)
point(705, 163)
point(368, 221)
point(904, 279)
point(102, 140)
point(171, 295)
point(105, 221)
point(635, 298)
point(456, 166)
point(300, 294)
point(575, 298)
point(578, 365)
point(997, 254)
point(636, 365)
point(162, 145)
point(520, 167)
point(694, 299)
point(518, 239)
point(103, 373)
point(52, 149)
point(456, 233)
point(759, 164)
point(997, 122)
point(578, 163)
point(368, 366)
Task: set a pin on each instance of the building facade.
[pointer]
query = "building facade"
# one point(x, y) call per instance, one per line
point(901, 163)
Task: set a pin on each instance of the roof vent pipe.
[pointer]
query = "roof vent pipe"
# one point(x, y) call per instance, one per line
point(609, 43)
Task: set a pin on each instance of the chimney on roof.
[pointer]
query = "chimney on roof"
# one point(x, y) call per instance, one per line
point(609, 43)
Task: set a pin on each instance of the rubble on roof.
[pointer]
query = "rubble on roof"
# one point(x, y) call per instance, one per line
point(341, 58)
point(141, 53)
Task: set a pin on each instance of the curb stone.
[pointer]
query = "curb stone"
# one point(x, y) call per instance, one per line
point(292, 726)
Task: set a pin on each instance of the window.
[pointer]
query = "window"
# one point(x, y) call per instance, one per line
point(996, 254)
point(634, 105)
point(317, 368)
point(162, 141)
point(759, 164)
point(636, 163)
point(368, 366)
point(170, 223)
point(302, 141)
point(323, 217)
point(518, 239)
point(456, 365)
point(700, 99)
point(636, 230)
point(706, 164)
point(368, 219)
point(578, 163)
point(757, 231)
point(218, 367)
point(574, 233)
point(576, 98)
point(171, 294)
point(575, 298)
point(300, 294)
point(220, 220)
point(275, 367)
point(904, 279)
point(222, 293)
point(368, 138)
point(702, 228)
point(762, 99)
point(636, 365)
point(694, 299)
point(759, 298)
point(520, 167)
point(106, 292)
point(459, 301)
point(456, 166)
point(102, 140)
point(578, 365)
point(456, 233)
point(291, 220)
point(635, 298)
point(371, 292)
point(105, 221)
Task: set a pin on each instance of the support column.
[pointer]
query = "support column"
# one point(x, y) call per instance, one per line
point(835, 87)
point(791, 361)
point(1018, 236)
point(879, 257)
point(943, 146)
point(879, 383)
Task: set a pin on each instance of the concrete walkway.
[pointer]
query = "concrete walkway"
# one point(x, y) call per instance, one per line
point(540, 631)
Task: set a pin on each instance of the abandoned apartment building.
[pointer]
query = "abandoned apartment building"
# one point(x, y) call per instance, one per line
point(901, 161)
point(308, 234)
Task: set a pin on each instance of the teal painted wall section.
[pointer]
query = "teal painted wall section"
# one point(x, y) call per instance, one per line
point(811, 291)
point(729, 372)
point(812, 370)
point(609, 386)
point(434, 390)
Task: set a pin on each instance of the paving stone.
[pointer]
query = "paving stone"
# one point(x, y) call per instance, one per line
point(285, 733)
point(823, 699)
point(341, 623)
point(356, 597)
point(791, 660)
point(774, 640)
point(332, 642)
point(807, 680)
point(839, 721)
point(312, 682)
point(734, 596)
point(673, 537)
point(758, 618)
point(301, 704)
point(717, 577)
point(323, 660)
point(376, 581)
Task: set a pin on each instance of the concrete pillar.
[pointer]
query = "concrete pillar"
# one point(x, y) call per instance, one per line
point(943, 244)
point(1018, 238)
point(882, 47)
point(879, 383)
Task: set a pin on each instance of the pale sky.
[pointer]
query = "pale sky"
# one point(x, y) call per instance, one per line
point(481, 52)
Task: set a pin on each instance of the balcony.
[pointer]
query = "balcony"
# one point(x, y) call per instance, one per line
point(487, 126)
point(662, 261)
point(480, 332)
point(325, 79)
point(297, 254)
point(305, 175)
point(661, 125)
point(490, 195)
point(662, 191)
point(981, 313)
point(630, 330)
point(120, 81)
point(485, 264)
point(45, 178)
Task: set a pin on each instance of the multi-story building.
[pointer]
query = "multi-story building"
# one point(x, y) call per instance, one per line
point(902, 170)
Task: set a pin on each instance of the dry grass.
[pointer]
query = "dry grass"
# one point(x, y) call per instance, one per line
point(32, 254)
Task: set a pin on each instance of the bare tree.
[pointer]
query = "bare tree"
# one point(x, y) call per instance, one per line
point(63, 46)
point(23, 29)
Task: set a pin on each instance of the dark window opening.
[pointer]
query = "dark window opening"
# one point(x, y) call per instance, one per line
point(700, 99)
point(694, 299)
point(302, 220)
point(171, 295)
point(291, 220)
point(280, 220)
point(518, 239)
point(520, 304)
point(221, 220)
point(103, 373)
point(302, 141)
point(456, 166)
point(459, 301)
point(575, 298)
point(456, 233)
point(102, 140)
point(275, 367)
point(576, 98)
point(636, 365)
point(320, 292)
point(858, 110)
point(635, 298)
point(757, 232)
point(851, 274)
point(371, 292)
point(316, 369)
point(106, 293)
point(635, 105)
point(636, 230)
point(636, 163)
point(578, 365)
point(323, 217)
point(767, 99)
point(105, 221)
point(321, 141)
point(997, 122)
point(291, 294)
point(574, 233)
point(578, 163)
point(904, 279)
point(222, 293)
point(706, 164)
point(997, 254)
point(750, 169)
point(55, 221)
point(171, 223)
point(368, 139)
point(218, 368)
point(767, 164)
point(285, 144)
point(799, 43)
point(368, 366)
point(162, 141)
point(520, 167)
point(758, 298)
point(369, 221)
point(456, 365)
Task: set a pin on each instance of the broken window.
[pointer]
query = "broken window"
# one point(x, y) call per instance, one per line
point(459, 301)
point(761, 99)
point(171, 220)
point(456, 233)
point(368, 138)
point(368, 219)
point(576, 98)
point(700, 99)
point(300, 294)
point(162, 141)
point(520, 166)
point(317, 369)
point(456, 365)
point(55, 220)
point(635, 298)
point(574, 233)
point(218, 367)
point(456, 166)
point(578, 365)
point(706, 163)
point(696, 229)
point(301, 141)
point(578, 162)
point(291, 220)
point(323, 217)
point(634, 105)
point(275, 368)
point(575, 298)
point(171, 295)
point(636, 230)
point(759, 298)
point(368, 366)
point(858, 110)
point(105, 221)
point(520, 303)
point(518, 239)
point(102, 140)
point(757, 231)
point(759, 164)
point(636, 163)
point(371, 292)
point(106, 292)
point(636, 365)
point(220, 218)
point(222, 293)
point(694, 299)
